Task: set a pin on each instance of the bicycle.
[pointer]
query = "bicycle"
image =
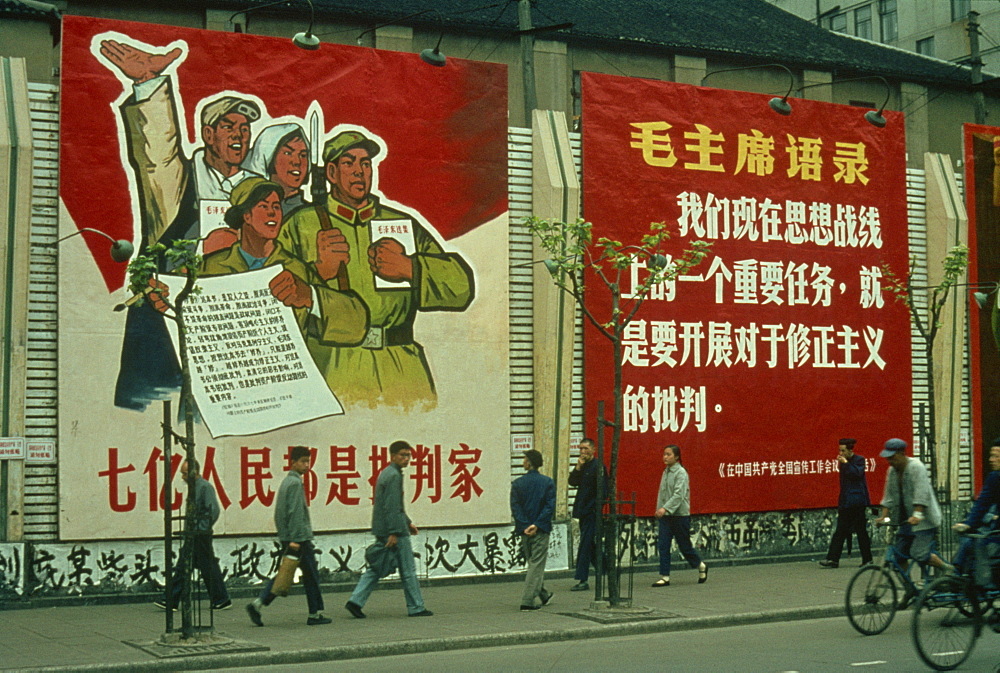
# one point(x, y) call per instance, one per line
point(951, 612)
point(871, 598)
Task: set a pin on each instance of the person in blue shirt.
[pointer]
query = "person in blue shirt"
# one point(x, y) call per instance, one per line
point(980, 514)
point(532, 503)
point(851, 506)
point(586, 477)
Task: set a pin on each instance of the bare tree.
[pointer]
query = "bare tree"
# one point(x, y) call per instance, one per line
point(576, 258)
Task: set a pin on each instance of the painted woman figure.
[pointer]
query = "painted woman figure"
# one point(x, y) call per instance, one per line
point(673, 509)
point(255, 212)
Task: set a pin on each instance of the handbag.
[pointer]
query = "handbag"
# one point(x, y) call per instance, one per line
point(381, 559)
point(286, 573)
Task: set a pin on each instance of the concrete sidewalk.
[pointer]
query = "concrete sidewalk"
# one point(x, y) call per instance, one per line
point(478, 614)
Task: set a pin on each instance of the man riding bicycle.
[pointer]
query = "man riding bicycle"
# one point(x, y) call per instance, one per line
point(909, 501)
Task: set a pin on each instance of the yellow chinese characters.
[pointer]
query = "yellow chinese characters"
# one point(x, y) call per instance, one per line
point(704, 149)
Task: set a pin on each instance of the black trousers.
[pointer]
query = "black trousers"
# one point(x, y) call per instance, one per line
point(851, 520)
point(205, 561)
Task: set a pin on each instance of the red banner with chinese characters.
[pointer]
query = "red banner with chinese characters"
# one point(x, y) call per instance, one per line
point(782, 341)
point(982, 198)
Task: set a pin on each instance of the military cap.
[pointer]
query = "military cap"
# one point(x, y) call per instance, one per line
point(348, 140)
point(220, 107)
point(242, 191)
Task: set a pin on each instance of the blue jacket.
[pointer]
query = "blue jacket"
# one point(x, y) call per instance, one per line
point(989, 496)
point(533, 501)
point(586, 482)
point(853, 486)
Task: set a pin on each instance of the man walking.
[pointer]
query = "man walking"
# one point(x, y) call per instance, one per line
point(586, 477)
point(291, 518)
point(393, 528)
point(532, 502)
point(850, 507)
point(206, 513)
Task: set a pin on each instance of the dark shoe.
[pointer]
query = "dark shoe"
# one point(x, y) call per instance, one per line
point(582, 586)
point(224, 605)
point(254, 614)
point(355, 610)
point(531, 607)
point(422, 613)
point(318, 620)
point(702, 575)
point(827, 563)
point(163, 606)
point(546, 598)
point(661, 583)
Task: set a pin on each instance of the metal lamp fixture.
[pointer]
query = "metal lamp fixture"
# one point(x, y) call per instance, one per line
point(121, 250)
point(873, 117)
point(304, 40)
point(779, 104)
point(981, 295)
point(431, 56)
point(983, 298)
point(307, 40)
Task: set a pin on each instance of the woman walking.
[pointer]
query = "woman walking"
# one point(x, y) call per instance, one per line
point(673, 509)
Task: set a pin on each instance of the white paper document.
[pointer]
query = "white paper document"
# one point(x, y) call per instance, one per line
point(250, 369)
point(400, 230)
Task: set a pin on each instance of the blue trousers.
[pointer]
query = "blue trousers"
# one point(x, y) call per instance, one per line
point(407, 573)
point(676, 527)
point(585, 553)
point(310, 579)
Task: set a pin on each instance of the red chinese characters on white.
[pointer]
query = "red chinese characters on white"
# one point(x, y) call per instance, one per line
point(436, 473)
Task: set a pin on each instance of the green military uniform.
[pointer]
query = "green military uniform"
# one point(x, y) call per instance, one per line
point(224, 262)
point(362, 338)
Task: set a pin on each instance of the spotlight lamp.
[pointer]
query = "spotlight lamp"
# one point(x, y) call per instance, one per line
point(779, 104)
point(121, 250)
point(304, 40)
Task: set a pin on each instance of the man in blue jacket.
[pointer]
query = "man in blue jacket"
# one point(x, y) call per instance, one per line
point(532, 502)
point(585, 476)
point(983, 512)
point(851, 507)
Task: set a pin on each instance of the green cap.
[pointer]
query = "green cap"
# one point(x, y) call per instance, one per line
point(220, 107)
point(242, 191)
point(348, 140)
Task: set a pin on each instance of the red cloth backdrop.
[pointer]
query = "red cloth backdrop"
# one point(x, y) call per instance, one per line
point(781, 342)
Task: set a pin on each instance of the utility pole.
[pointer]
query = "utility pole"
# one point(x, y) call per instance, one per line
point(527, 58)
point(976, 63)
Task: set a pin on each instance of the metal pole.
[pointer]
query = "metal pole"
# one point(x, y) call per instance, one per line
point(599, 522)
point(976, 62)
point(168, 532)
point(527, 59)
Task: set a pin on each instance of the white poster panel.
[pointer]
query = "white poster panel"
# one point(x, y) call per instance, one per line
point(406, 320)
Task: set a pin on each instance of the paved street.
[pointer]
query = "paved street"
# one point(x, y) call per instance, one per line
point(482, 614)
point(812, 646)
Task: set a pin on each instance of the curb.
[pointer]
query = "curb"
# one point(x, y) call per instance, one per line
point(369, 650)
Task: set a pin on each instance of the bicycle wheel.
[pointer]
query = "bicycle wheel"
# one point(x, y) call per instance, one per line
point(947, 619)
point(870, 600)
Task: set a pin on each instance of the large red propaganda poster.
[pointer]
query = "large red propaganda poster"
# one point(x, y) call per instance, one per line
point(982, 197)
point(373, 183)
point(782, 341)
